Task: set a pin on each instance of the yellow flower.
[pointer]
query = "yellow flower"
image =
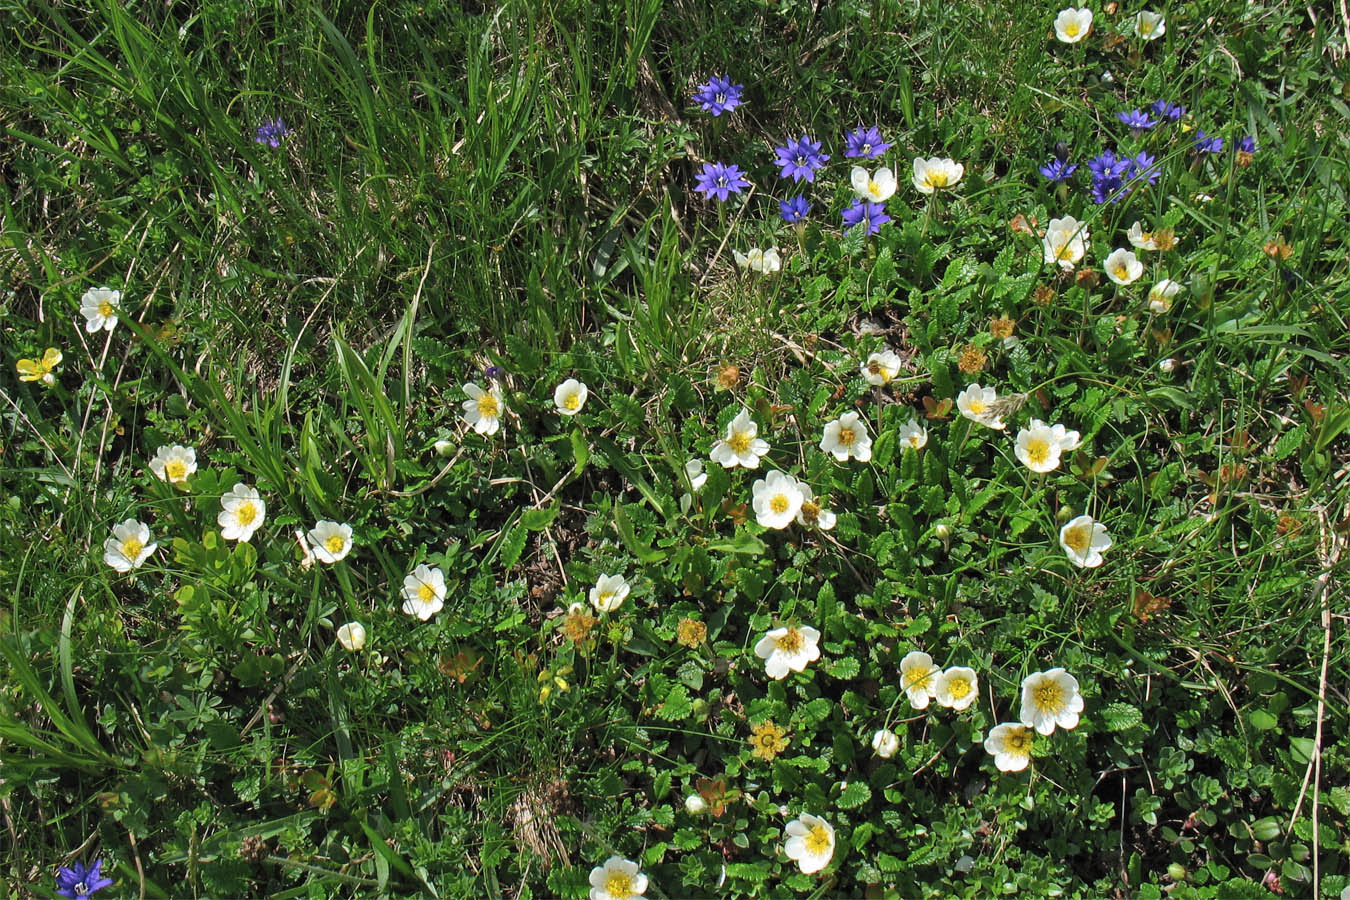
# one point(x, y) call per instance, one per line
point(767, 740)
point(40, 369)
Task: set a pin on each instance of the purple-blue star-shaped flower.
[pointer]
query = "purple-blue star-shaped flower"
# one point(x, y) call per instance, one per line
point(719, 95)
point(800, 159)
point(1207, 143)
point(864, 143)
point(872, 214)
point(720, 181)
point(1144, 166)
point(1168, 111)
point(78, 883)
point(1247, 144)
point(270, 132)
point(795, 210)
point(1108, 176)
point(1058, 170)
point(1136, 120)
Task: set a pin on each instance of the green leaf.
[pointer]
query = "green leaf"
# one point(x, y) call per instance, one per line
point(856, 794)
point(1262, 720)
point(742, 542)
point(844, 667)
point(630, 539)
point(580, 451)
point(1119, 716)
point(539, 519)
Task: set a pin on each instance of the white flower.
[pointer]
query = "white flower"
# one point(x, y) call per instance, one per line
point(1167, 365)
point(918, 678)
point(1067, 440)
point(444, 448)
point(1072, 25)
point(424, 592)
point(913, 435)
point(812, 514)
point(609, 593)
point(1161, 294)
point(977, 404)
point(1038, 448)
point(740, 447)
point(764, 261)
point(330, 541)
point(242, 512)
point(810, 841)
point(877, 188)
point(617, 879)
point(1010, 745)
point(933, 173)
point(569, 397)
point(1122, 266)
point(1084, 540)
point(776, 499)
point(174, 464)
point(788, 649)
point(484, 409)
point(881, 367)
point(956, 688)
point(694, 804)
point(129, 546)
point(697, 477)
point(847, 436)
point(100, 307)
point(1150, 25)
point(1065, 242)
point(1049, 699)
point(885, 743)
point(1141, 239)
point(352, 636)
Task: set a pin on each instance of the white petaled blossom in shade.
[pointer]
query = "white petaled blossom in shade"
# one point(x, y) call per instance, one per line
point(330, 541)
point(934, 173)
point(876, 188)
point(788, 650)
point(352, 636)
point(847, 436)
point(1122, 266)
point(776, 499)
point(810, 843)
point(885, 743)
point(697, 478)
point(569, 397)
point(100, 307)
point(174, 464)
point(741, 446)
point(1050, 699)
point(424, 592)
point(242, 512)
point(765, 262)
point(812, 514)
point(918, 678)
point(978, 405)
point(1038, 447)
point(956, 688)
point(1161, 294)
point(1084, 540)
point(1010, 744)
point(483, 410)
point(609, 593)
point(1150, 25)
point(1072, 25)
point(129, 546)
point(1065, 242)
point(1141, 239)
point(881, 367)
point(617, 879)
point(912, 435)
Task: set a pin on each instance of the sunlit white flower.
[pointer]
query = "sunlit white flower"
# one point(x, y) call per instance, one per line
point(484, 409)
point(1122, 266)
point(1072, 25)
point(788, 650)
point(847, 436)
point(100, 307)
point(1050, 699)
point(764, 261)
point(352, 636)
point(812, 514)
point(242, 512)
point(129, 546)
point(956, 688)
point(330, 541)
point(1141, 239)
point(918, 678)
point(694, 804)
point(174, 463)
point(697, 477)
point(912, 435)
point(1150, 25)
point(1067, 440)
point(885, 743)
point(569, 397)
point(617, 879)
point(1084, 540)
point(740, 447)
point(1010, 745)
point(881, 367)
point(609, 593)
point(1161, 294)
point(1065, 242)
point(810, 842)
point(933, 173)
point(424, 592)
point(978, 404)
point(876, 188)
point(776, 499)
point(1038, 447)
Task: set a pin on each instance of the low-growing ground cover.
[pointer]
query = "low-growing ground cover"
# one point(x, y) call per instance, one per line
point(867, 449)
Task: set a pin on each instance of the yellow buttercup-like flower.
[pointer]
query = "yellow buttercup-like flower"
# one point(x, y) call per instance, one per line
point(40, 369)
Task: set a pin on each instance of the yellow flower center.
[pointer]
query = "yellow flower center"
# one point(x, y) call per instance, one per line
point(1077, 539)
point(914, 440)
point(916, 677)
point(1038, 451)
point(1146, 237)
point(874, 368)
point(572, 401)
point(425, 592)
point(1159, 298)
point(605, 597)
point(619, 885)
point(959, 687)
point(810, 512)
point(739, 442)
point(779, 504)
point(1072, 29)
point(245, 513)
point(1122, 272)
point(1048, 696)
point(790, 642)
point(132, 547)
point(847, 437)
point(817, 840)
point(175, 470)
point(1018, 741)
point(936, 178)
point(335, 544)
point(105, 309)
point(1064, 250)
point(977, 407)
point(873, 189)
point(487, 406)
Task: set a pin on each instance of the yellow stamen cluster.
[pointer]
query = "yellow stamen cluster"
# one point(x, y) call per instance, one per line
point(767, 740)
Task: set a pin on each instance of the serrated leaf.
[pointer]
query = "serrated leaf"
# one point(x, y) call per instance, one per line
point(539, 519)
point(844, 667)
point(1119, 716)
point(856, 794)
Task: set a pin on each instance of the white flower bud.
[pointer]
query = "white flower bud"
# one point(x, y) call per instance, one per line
point(352, 636)
point(942, 531)
point(885, 743)
point(1167, 365)
point(694, 804)
point(444, 448)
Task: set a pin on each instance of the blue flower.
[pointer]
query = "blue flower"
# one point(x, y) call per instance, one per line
point(1247, 144)
point(719, 95)
point(1108, 176)
point(720, 180)
point(1168, 111)
point(270, 132)
point(1058, 170)
point(873, 214)
point(78, 883)
point(1207, 143)
point(1143, 166)
point(794, 210)
point(1136, 120)
point(800, 159)
point(864, 143)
